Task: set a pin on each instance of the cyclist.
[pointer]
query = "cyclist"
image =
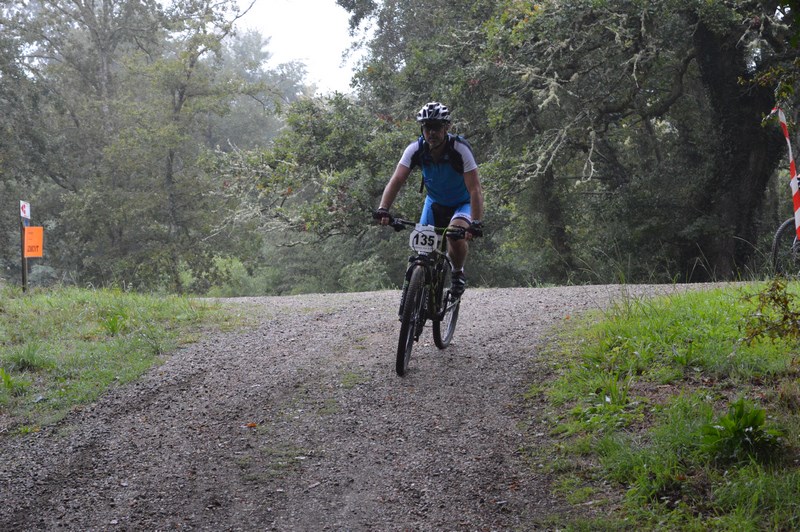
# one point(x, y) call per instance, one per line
point(450, 174)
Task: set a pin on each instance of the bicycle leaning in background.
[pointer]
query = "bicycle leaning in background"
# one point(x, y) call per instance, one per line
point(426, 289)
point(786, 250)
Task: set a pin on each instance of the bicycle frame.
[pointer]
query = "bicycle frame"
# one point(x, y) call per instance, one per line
point(432, 263)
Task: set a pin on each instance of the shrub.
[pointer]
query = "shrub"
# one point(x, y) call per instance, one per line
point(740, 435)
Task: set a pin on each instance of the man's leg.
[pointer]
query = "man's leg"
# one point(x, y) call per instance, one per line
point(457, 249)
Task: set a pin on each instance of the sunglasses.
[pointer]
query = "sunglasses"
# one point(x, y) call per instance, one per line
point(434, 127)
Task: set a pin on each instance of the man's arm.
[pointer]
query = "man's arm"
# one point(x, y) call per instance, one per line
point(473, 183)
point(394, 185)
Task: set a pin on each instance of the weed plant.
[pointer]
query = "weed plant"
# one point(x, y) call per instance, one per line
point(691, 403)
point(64, 347)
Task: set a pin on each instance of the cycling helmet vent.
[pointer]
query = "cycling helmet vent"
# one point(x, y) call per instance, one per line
point(433, 112)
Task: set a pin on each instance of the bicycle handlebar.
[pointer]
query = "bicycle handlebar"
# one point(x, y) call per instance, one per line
point(398, 224)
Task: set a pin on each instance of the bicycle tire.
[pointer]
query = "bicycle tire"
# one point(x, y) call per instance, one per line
point(412, 315)
point(444, 328)
point(785, 250)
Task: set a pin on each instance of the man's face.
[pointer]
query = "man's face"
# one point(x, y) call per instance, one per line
point(435, 133)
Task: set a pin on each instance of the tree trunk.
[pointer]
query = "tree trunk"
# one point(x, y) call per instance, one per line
point(745, 154)
point(549, 204)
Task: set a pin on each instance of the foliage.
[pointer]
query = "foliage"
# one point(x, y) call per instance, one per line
point(123, 113)
point(12, 386)
point(684, 452)
point(774, 315)
point(759, 497)
point(740, 435)
point(613, 116)
point(322, 174)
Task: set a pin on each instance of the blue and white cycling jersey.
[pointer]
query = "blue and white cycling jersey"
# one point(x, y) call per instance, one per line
point(443, 181)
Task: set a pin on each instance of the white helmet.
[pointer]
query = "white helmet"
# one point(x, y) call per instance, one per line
point(434, 112)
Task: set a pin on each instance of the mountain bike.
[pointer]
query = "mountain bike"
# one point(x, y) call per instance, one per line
point(786, 250)
point(426, 289)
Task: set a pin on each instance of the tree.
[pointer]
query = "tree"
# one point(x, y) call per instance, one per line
point(252, 118)
point(132, 95)
point(637, 125)
point(609, 73)
point(20, 143)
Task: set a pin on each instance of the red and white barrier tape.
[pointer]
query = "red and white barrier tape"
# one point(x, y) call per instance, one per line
point(792, 170)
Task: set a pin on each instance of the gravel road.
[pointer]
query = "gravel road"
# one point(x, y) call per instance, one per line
point(300, 423)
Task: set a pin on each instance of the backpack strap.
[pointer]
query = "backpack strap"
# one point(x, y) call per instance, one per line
point(416, 160)
point(456, 161)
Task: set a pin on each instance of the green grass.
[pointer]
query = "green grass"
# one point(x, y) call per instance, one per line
point(687, 406)
point(351, 379)
point(60, 348)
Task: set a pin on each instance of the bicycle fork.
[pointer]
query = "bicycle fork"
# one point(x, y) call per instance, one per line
point(417, 260)
point(433, 278)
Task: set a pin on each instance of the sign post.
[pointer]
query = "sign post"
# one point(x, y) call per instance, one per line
point(24, 221)
point(32, 239)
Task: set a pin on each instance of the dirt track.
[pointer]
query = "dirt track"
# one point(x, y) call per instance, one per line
point(302, 424)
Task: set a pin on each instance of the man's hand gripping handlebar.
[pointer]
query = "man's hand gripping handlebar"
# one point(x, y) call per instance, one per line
point(398, 224)
point(384, 218)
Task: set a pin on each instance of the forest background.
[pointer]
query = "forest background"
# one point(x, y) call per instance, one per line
point(618, 141)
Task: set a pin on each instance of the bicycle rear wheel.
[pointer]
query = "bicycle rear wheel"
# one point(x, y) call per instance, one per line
point(413, 316)
point(444, 329)
point(785, 250)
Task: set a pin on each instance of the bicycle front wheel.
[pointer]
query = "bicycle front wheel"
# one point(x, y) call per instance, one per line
point(413, 315)
point(444, 328)
point(785, 250)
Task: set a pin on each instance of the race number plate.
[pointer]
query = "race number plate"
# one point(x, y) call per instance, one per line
point(423, 239)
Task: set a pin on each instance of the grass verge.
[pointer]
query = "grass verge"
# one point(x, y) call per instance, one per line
point(63, 347)
point(681, 412)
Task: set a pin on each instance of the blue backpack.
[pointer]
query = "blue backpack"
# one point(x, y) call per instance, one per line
point(455, 159)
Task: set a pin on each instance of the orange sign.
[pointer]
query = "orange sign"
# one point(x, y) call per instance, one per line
point(34, 240)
